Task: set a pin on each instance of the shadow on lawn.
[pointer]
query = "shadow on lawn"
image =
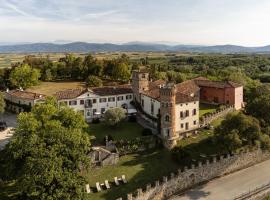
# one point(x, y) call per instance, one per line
point(154, 164)
point(159, 163)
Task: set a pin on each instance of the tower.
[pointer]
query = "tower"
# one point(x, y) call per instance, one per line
point(140, 83)
point(167, 112)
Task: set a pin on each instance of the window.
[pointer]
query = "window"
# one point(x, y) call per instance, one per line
point(194, 122)
point(152, 108)
point(94, 111)
point(111, 99)
point(187, 113)
point(181, 114)
point(88, 113)
point(167, 118)
point(81, 102)
point(128, 97)
point(142, 103)
point(143, 75)
point(120, 98)
point(194, 111)
point(182, 125)
point(102, 100)
point(94, 101)
point(168, 132)
point(187, 126)
point(102, 110)
point(72, 103)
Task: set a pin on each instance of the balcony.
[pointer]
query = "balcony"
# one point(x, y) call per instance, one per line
point(88, 105)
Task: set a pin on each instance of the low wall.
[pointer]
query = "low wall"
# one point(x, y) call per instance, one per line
point(209, 117)
point(184, 179)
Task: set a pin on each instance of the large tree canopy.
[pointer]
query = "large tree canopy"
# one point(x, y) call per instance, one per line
point(24, 76)
point(239, 130)
point(48, 151)
point(259, 104)
point(114, 115)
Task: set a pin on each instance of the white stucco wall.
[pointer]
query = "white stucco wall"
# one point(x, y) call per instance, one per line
point(98, 106)
point(147, 105)
point(183, 107)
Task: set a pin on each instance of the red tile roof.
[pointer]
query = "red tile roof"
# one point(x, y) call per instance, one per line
point(101, 91)
point(25, 94)
point(217, 84)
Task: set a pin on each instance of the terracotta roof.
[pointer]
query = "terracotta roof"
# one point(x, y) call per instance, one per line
point(107, 91)
point(186, 91)
point(69, 94)
point(101, 91)
point(187, 87)
point(154, 87)
point(25, 94)
point(217, 84)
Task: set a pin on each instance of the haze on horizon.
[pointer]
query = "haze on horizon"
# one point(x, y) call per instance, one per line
point(203, 22)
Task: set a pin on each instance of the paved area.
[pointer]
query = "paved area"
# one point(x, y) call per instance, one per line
point(11, 120)
point(230, 186)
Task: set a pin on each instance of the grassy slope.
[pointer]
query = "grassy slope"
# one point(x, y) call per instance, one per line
point(140, 169)
point(125, 130)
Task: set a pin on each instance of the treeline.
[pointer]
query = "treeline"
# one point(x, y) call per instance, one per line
point(70, 67)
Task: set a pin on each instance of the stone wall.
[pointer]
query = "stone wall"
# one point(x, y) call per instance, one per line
point(184, 179)
point(209, 117)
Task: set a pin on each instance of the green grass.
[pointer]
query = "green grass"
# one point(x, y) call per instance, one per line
point(207, 108)
point(125, 130)
point(140, 169)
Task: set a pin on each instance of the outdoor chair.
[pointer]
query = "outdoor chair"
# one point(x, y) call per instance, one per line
point(98, 187)
point(116, 181)
point(87, 187)
point(124, 179)
point(107, 184)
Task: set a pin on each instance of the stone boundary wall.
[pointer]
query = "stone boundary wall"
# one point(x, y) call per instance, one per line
point(209, 117)
point(196, 174)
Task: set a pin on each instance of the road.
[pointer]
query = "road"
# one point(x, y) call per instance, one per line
point(230, 186)
point(5, 136)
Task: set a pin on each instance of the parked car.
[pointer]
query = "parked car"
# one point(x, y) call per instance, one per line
point(3, 126)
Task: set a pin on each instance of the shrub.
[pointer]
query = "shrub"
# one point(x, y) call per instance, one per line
point(146, 132)
point(96, 121)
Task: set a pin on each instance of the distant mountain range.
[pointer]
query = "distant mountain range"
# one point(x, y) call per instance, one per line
point(127, 47)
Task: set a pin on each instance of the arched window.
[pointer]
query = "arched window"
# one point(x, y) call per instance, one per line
point(167, 118)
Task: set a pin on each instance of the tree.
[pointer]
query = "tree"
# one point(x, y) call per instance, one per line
point(258, 104)
point(121, 72)
point(47, 153)
point(24, 76)
point(93, 81)
point(114, 116)
point(239, 130)
point(2, 103)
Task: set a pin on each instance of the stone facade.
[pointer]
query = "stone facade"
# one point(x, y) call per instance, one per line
point(189, 177)
point(167, 110)
point(176, 106)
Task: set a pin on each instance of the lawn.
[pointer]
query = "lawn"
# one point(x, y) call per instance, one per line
point(50, 88)
point(207, 108)
point(140, 169)
point(125, 130)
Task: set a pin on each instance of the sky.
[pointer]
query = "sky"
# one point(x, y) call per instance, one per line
point(200, 22)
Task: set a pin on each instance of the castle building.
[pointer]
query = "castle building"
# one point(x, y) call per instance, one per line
point(174, 107)
point(177, 105)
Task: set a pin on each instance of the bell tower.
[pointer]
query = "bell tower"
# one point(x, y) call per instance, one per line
point(140, 83)
point(167, 112)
